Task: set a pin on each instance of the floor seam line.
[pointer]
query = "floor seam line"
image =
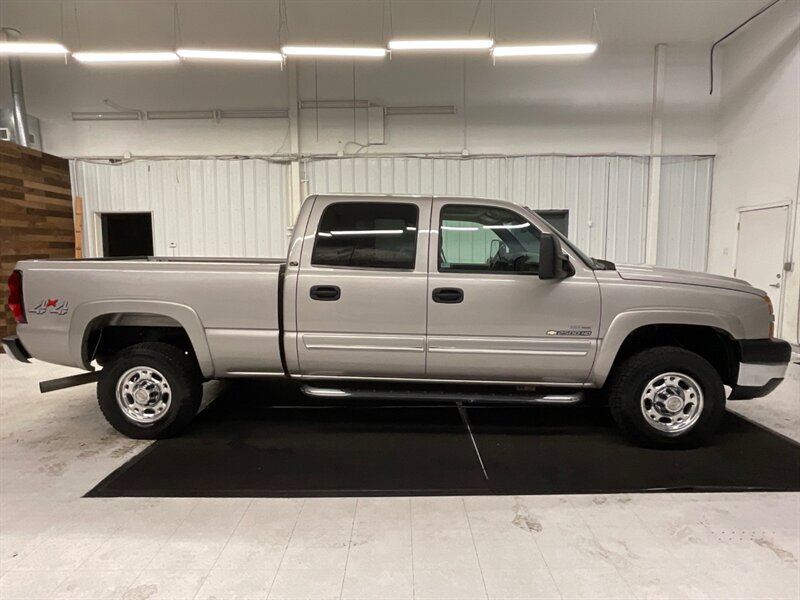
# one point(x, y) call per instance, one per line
point(474, 547)
point(349, 546)
point(161, 547)
point(228, 540)
point(285, 548)
point(411, 527)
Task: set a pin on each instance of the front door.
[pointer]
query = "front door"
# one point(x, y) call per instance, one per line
point(361, 288)
point(490, 317)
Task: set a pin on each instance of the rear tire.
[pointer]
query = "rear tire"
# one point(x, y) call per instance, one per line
point(150, 391)
point(667, 397)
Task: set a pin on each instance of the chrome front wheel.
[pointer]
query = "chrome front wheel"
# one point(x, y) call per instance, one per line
point(143, 395)
point(672, 403)
point(667, 397)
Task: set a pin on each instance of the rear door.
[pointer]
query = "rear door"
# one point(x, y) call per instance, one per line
point(362, 288)
point(490, 317)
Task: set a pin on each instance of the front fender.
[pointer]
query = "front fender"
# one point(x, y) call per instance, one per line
point(86, 313)
point(627, 322)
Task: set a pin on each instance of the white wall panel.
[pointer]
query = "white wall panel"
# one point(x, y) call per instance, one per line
point(684, 208)
point(606, 196)
point(205, 207)
point(216, 207)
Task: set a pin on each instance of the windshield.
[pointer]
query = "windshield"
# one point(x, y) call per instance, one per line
point(590, 262)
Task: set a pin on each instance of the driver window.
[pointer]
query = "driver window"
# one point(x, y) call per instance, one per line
point(486, 239)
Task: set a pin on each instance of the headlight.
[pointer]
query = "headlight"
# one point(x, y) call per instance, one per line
point(771, 315)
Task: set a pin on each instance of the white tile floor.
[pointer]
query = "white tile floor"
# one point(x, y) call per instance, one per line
point(55, 544)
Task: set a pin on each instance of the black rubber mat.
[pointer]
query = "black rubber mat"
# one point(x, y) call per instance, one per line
point(244, 445)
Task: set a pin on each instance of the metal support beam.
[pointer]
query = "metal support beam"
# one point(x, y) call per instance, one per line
point(656, 130)
point(17, 92)
point(296, 192)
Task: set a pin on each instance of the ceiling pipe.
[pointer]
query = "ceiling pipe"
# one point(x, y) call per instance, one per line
point(729, 34)
point(17, 93)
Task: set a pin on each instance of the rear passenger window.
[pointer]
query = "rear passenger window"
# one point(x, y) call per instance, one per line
point(378, 235)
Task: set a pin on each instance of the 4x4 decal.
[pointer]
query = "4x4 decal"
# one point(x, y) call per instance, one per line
point(52, 306)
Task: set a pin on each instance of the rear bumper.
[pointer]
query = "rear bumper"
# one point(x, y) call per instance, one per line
point(15, 349)
point(762, 368)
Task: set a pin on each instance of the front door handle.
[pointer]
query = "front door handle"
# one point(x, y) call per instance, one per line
point(325, 293)
point(448, 295)
point(775, 285)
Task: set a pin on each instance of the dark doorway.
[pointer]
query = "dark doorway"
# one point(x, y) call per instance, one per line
point(558, 218)
point(127, 234)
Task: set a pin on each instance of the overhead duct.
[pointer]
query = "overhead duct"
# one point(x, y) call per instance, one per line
point(169, 115)
point(447, 109)
point(116, 115)
point(17, 92)
point(157, 115)
point(323, 104)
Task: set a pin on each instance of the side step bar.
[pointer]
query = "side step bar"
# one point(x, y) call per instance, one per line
point(357, 394)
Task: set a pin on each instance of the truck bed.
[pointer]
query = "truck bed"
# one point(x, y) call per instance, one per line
point(228, 307)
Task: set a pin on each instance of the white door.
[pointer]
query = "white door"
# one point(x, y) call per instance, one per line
point(760, 250)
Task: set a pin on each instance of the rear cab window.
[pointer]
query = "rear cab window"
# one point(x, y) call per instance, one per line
point(367, 235)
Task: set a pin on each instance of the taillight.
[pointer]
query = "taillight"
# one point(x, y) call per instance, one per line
point(15, 302)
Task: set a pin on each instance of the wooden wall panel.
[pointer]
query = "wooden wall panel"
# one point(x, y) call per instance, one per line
point(35, 213)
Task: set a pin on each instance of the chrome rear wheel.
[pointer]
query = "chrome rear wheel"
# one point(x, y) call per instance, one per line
point(150, 390)
point(143, 395)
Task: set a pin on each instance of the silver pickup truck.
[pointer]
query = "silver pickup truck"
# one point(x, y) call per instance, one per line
point(405, 297)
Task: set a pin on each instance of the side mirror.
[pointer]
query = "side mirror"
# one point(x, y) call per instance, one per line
point(552, 260)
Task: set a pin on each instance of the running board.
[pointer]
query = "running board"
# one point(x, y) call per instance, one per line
point(357, 394)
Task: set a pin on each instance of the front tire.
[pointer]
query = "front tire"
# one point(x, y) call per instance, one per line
point(667, 397)
point(150, 391)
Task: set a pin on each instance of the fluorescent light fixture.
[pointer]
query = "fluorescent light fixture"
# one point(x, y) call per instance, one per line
point(234, 55)
point(392, 111)
point(128, 115)
point(334, 51)
point(32, 48)
point(457, 228)
point(368, 232)
point(518, 226)
point(545, 50)
point(125, 57)
point(480, 44)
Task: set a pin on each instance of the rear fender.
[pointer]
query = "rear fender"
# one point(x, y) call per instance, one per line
point(85, 314)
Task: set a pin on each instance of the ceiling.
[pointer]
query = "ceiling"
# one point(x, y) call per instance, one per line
point(150, 24)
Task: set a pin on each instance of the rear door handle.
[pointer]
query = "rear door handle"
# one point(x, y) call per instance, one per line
point(325, 293)
point(448, 295)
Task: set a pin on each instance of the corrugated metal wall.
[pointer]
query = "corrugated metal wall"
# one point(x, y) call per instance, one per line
point(204, 207)
point(216, 207)
point(606, 196)
point(683, 215)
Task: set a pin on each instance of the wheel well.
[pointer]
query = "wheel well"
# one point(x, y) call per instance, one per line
point(109, 334)
point(716, 346)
